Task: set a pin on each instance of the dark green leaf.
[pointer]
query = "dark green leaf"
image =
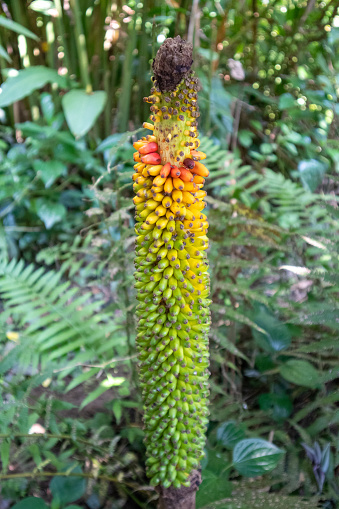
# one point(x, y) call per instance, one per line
point(300, 372)
point(215, 461)
point(212, 488)
point(311, 173)
point(49, 212)
point(279, 406)
point(82, 109)
point(254, 456)
point(30, 503)
point(49, 170)
point(277, 335)
point(229, 433)
point(68, 489)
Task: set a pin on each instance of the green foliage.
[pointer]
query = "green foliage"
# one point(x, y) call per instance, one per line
point(66, 244)
point(31, 503)
point(82, 109)
point(27, 81)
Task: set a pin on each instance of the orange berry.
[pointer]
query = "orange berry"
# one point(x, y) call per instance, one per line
point(200, 169)
point(198, 155)
point(175, 172)
point(152, 158)
point(185, 174)
point(197, 179)
point(165, 171)
point(149, 148)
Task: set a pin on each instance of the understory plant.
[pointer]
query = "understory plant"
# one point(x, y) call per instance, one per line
point(171, 272)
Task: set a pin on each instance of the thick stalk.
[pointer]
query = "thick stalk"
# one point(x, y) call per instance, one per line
point(81, 47)
point(182, 498)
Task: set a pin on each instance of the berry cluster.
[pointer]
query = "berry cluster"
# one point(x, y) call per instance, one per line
point(172, 284)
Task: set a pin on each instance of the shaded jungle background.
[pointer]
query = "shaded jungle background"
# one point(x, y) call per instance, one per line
point(74, 75)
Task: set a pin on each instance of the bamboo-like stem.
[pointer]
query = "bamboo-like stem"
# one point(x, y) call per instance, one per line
point(126, 84)
point(81, 47)
point(61, 30)
point(26, 59)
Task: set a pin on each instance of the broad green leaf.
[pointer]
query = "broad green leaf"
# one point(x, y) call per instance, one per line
point(82, 109)
point(279, 406)
point(300, 372)
point(212, 489)
point(16, 27)
point(254, 456)
point(277, 335)
point(229, 433)
point(215, 461)
point(26, 81)
point(49, 170)
point(311, 173)
point(49, 212)
point(30, 503)
point(68, 489)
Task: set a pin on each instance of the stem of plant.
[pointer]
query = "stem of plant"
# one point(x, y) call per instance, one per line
point(81, 47)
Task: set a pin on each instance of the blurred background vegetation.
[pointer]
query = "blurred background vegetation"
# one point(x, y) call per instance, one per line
point(74, 74)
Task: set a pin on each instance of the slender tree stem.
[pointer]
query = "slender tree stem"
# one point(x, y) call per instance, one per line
point(61, 29)
point(81, 47)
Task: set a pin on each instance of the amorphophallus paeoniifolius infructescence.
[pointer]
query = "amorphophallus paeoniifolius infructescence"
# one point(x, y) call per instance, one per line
point(171, 272)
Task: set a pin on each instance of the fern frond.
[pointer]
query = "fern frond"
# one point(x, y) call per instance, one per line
point(58, 319)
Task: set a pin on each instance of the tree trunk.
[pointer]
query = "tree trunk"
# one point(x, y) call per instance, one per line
point(182, 498)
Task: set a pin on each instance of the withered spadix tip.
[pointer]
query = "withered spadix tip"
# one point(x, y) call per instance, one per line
point(172, 63)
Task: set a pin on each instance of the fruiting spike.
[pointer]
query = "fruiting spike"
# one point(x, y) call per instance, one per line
point(171, 272)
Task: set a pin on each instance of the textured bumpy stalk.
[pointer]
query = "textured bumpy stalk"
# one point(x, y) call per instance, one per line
point(171, 272)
